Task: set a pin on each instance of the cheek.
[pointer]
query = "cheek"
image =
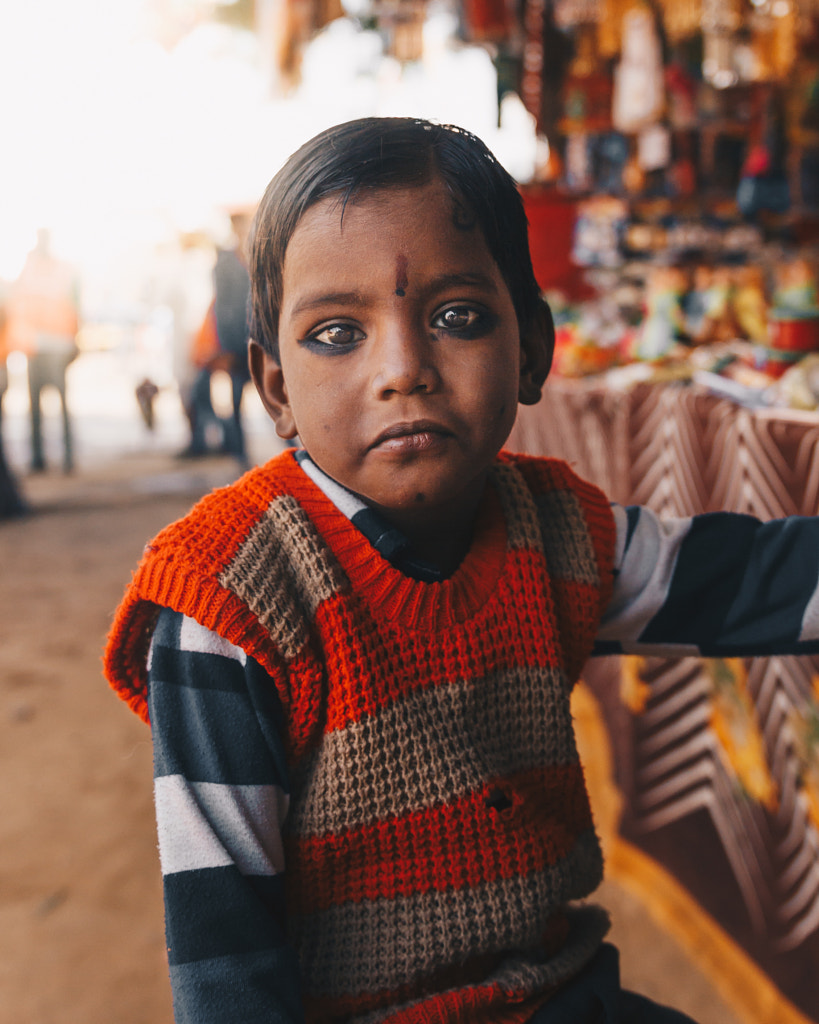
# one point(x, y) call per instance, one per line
point(502, 401)
point(497, 382)
point(321, 406)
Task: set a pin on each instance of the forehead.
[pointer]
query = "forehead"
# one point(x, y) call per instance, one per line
point(423, 225)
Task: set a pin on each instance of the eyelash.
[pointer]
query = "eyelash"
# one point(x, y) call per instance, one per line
point(312, 340)
point(482, 321)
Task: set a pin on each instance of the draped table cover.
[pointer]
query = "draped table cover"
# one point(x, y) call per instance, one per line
point(717, 760)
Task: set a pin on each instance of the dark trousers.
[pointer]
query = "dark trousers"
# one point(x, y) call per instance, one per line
point(11, 503)
point(202, 415)
point(47, 368)
point(595, 997)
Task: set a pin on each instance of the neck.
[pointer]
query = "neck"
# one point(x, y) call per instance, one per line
point(441, 536)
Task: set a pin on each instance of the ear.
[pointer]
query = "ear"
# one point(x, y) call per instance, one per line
point(537, 345)
point(269, 380)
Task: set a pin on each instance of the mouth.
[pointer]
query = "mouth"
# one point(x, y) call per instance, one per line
point(419, 435)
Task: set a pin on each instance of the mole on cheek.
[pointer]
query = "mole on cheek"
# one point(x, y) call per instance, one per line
point(401, 279)
point(420, 496)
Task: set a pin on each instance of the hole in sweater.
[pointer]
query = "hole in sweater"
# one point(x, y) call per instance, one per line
point(498, 801)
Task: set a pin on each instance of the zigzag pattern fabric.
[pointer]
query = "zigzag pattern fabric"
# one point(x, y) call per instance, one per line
point(682, 451)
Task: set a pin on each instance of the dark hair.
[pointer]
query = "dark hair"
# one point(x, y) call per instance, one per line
point(375, 153)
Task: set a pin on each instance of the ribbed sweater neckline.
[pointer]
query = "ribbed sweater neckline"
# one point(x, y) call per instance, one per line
point(410, 603)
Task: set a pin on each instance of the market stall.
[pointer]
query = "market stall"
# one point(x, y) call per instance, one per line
point(717, 761)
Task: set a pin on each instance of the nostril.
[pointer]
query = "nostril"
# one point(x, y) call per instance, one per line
point(421, 382)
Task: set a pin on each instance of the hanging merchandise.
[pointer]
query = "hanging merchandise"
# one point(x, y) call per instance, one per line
point(531, 83)
point(803, 125)
point(786, 43)
point(681, 89)
point(285, 28)
point(639, 95)
point(681, 18)
point(610, 158)
point(763, 184)
point(598, 230)
point(488, 20)
point(571, 13)
point(682, 174)
point(654, 148)
point(721, 20)
point(608, 28)
point(774, 25)
point(587, 88)
point(547, 52)
point(406, 35)
point(763, 43)
point(578, 163)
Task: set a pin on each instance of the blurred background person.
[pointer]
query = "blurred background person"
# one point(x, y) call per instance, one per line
point(11, 504)
point(43, 320)
point(221, 344)
point(178, 292)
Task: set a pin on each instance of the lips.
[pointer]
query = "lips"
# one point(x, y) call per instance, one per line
point(420, 435)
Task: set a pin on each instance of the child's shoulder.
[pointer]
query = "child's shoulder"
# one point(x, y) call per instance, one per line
point(205, 566)
point(543, 473)
point(231, 511)
point(561, 495)
point(227, 532)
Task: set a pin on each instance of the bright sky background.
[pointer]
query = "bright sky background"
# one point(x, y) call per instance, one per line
point(108, 138)
point(116, 143)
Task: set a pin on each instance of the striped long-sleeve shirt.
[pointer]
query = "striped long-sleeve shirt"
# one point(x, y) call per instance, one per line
point(719, 584)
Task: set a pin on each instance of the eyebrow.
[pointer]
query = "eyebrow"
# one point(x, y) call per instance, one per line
point(453, 280)
point(329, 299)
point(353, 298)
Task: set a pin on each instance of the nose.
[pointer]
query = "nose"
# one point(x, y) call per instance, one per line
point(404, 362)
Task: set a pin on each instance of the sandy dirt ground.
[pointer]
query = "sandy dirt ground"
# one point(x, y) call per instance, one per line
point(81, 931)
point(81, 934)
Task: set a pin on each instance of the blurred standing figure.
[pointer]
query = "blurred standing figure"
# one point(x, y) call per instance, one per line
point(11, 504)
point(43, 322)
point(231, 291)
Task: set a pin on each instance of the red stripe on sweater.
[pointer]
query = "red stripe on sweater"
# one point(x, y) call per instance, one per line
point(462, 844)
point(468, 1004)
point(577, 613)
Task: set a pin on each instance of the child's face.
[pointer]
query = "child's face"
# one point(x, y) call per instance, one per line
point(399, 349)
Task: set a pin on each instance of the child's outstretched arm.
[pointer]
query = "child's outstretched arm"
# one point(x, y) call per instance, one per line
point(221, 797)
point(715, 585)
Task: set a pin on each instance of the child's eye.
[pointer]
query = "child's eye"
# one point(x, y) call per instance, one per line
point(458, 318)
point(336, 335)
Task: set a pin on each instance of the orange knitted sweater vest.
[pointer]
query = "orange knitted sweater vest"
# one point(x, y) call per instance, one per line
point(439, 827)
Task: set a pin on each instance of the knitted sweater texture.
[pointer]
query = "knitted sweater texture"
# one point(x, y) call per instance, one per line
point(439, 824)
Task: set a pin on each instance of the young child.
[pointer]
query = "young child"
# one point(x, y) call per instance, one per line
point(357, 659)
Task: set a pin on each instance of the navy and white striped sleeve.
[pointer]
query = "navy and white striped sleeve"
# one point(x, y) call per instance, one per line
point(221, 796)
point(715, 585)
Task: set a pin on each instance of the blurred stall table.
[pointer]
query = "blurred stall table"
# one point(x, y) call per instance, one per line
point(717, 761)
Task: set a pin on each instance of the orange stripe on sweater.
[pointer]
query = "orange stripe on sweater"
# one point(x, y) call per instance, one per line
point(408, 661)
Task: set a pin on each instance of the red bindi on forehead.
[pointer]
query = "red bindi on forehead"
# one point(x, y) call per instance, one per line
point(401, 279)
